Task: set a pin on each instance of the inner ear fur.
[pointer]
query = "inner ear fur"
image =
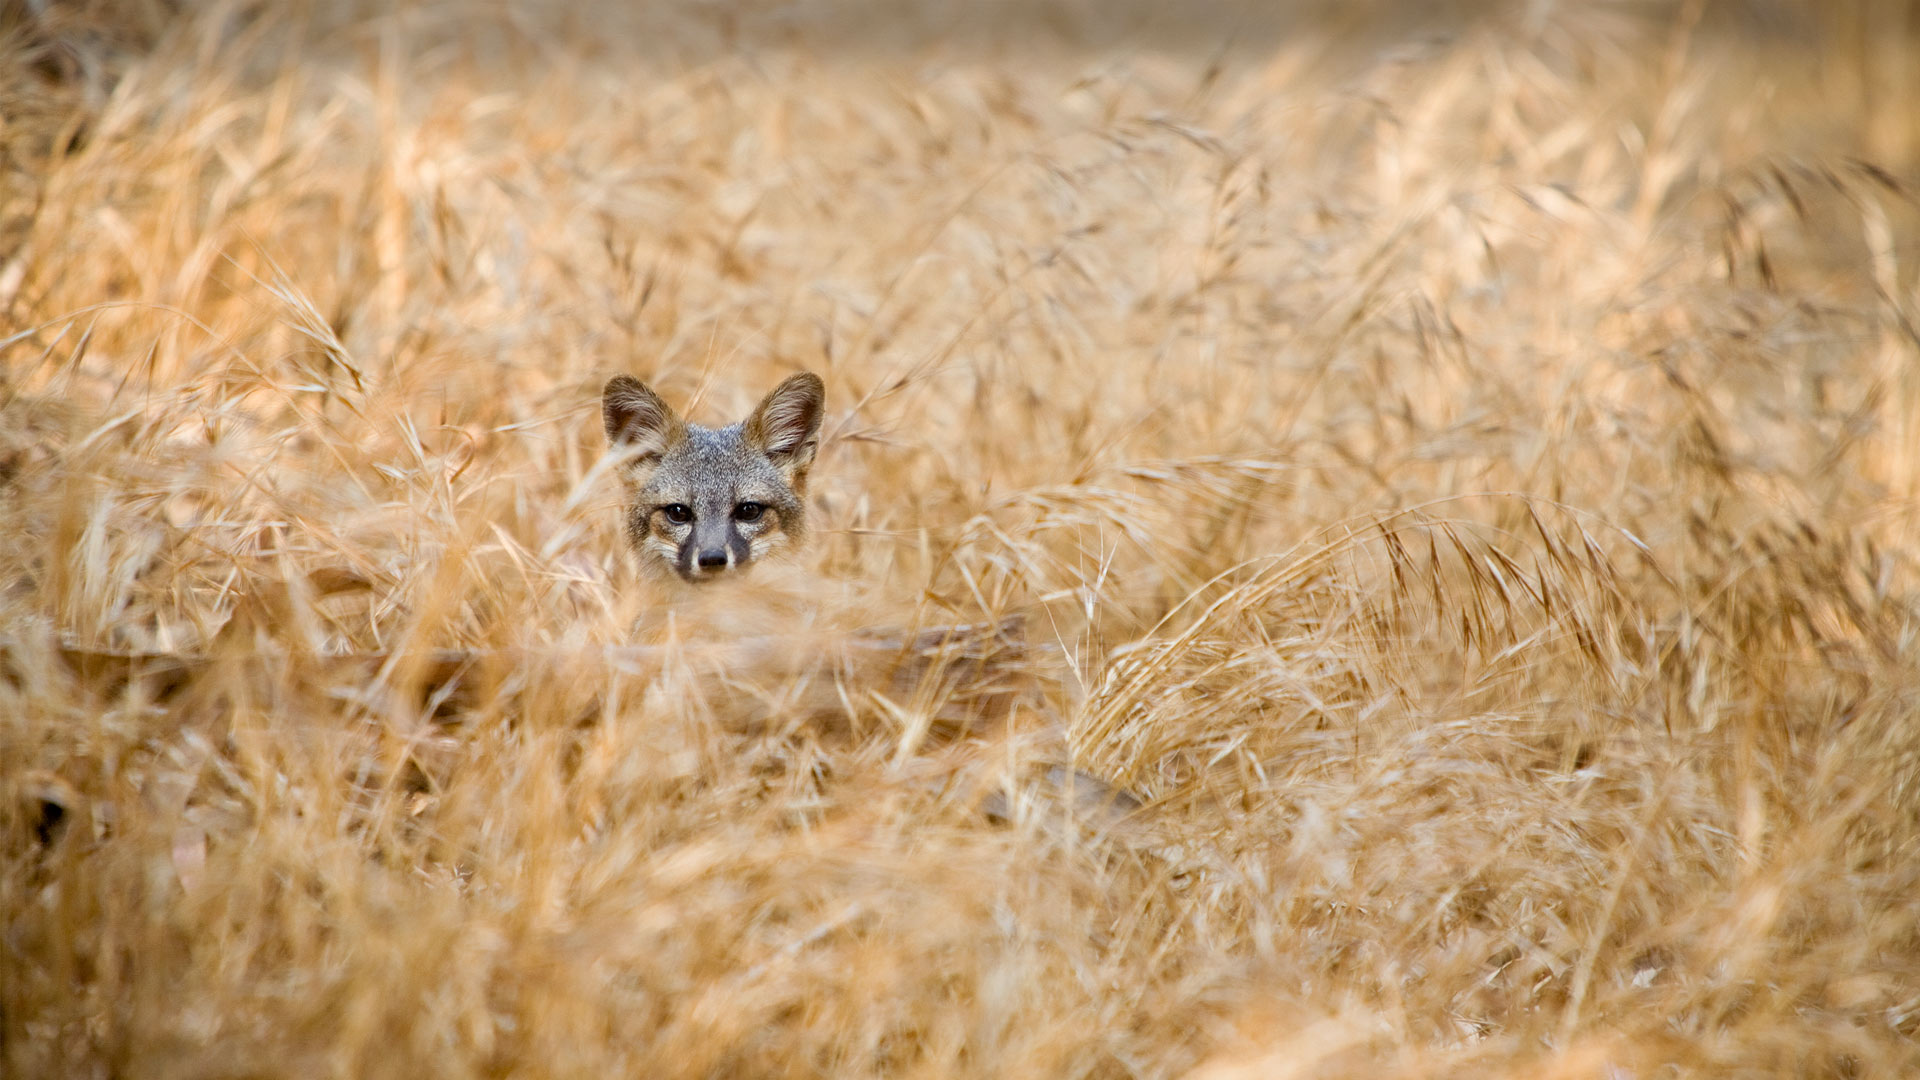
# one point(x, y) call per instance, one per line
point(637, 420)
point(786, 425)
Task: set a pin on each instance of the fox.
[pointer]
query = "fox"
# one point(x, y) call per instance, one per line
point(709, 504)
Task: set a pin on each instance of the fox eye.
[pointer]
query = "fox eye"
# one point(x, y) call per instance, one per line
point(749, 511)
point(678, 513)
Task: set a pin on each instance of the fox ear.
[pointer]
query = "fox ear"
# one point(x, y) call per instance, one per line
point(637, 420)
point(786, 426)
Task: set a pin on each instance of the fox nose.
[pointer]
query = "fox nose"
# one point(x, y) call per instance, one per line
point(713, 558)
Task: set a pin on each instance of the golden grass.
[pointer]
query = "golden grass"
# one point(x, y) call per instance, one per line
point(1459, 472)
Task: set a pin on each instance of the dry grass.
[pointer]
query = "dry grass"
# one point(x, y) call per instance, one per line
point(1458, 470)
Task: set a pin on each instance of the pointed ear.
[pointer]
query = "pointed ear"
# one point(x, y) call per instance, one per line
point(637, 420)
point(786, 426)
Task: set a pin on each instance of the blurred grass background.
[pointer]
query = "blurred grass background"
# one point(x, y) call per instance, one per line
point(1455, 464)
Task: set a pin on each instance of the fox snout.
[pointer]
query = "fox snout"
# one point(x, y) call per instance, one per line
point(719, 540)
point(706, 503)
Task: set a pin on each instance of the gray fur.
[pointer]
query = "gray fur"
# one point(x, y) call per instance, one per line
point(714, 473)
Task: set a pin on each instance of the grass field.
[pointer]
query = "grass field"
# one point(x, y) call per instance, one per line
point(1456, 466)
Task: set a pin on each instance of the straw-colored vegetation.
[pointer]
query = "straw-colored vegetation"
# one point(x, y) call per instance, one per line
point(1457, 472)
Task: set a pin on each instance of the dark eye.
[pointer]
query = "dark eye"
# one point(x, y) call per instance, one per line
point(678, 513)
point(748, 511)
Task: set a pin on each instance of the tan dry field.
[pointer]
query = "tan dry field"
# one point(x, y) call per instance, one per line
point(1456, 467)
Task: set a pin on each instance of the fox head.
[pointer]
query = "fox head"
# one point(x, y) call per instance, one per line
point(706, 503)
